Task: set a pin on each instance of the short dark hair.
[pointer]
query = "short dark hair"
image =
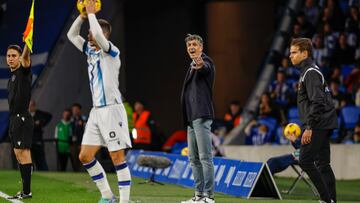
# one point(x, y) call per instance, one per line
point(142, 102)
point(68, 110)
point(235, 102)
point(304, 44)
point(76, 105)
point(105, 26)
point(336, 81)
point(15, 47)
point(190, 37)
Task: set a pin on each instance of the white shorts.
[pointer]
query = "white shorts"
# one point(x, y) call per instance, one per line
point(108, 126)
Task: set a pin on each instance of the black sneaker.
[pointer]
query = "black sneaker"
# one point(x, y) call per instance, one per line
point(21, 195)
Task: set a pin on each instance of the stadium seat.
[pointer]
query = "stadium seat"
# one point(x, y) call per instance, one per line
point(254, 131)
point(270, 122)
point(293, 113)
point(4, 119)
point(176, 149)
point(344, 5)
point(279, 136)
point(295, 120)
point(291, 82)
point(336, 132)
point(350, 116)
point(346, 70)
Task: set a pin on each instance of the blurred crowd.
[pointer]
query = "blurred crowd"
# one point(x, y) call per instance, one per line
point(334, 29)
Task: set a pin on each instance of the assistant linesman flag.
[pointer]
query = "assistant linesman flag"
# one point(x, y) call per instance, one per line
point(28, 33)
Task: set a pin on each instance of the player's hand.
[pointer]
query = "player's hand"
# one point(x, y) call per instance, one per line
point(306, 137)
point(292, 137)
point(199, 62)
point(84, 17)
point(90, 6)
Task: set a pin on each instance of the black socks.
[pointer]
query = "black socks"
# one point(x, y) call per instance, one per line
point(25, 170)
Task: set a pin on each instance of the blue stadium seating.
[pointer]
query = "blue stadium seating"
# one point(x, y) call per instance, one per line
point(346, 70)
point(350, 116)
point(295, 120)
point(293, 113)
point(271, 123)
point(254, 131)
point(279, 136)
point(336, 132)
point(176, 149)
point(3, 120)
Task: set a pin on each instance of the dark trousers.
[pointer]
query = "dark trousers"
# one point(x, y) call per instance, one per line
point(62, 161)
point(75, 162)
point(280, 163)
point(318, 152)
point(38, 156)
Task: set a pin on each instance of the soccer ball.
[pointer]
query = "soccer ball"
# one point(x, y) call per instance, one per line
point(81, 6)
point(185, 151)
point(292, 128)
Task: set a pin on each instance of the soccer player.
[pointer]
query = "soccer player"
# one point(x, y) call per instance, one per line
point(107, 124)
point(318, 117)
point(21, 122)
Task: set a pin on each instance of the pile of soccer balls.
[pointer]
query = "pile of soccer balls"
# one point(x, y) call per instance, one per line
point(82, 3)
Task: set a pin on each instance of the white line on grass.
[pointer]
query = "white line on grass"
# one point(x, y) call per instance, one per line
point(5, 196)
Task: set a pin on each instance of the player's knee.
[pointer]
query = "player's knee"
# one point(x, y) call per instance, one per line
point(22, 155)
point(194, 160)
point(205, 157)
point(117, 157)
point(85, 158)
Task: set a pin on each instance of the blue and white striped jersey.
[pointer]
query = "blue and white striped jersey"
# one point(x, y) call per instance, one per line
point(103, 70)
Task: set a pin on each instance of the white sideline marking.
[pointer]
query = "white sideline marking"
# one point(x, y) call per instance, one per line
point(5, 196)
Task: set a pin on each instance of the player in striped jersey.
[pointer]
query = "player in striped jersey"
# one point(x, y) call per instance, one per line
point(107, 124)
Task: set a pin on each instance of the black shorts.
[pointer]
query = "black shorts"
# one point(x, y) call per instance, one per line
point(21, 129)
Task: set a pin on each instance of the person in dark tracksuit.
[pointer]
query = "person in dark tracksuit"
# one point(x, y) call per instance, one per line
point(41, 119)
point(198, 113)
point(318, 117)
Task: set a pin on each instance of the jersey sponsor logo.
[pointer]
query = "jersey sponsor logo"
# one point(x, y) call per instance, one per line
point(112, 134)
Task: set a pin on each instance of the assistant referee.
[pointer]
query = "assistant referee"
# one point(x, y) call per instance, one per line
point(21, 122)
point(318, 117)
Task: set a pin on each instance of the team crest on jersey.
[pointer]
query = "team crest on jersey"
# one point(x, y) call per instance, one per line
point(120, 124)
point(93, 56)
point(13, 78)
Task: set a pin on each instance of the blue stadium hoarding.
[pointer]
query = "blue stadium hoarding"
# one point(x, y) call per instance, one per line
point(232, 177)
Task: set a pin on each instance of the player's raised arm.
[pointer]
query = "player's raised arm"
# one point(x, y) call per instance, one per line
point(95, 28)
point(74, 33)
point(25, 57)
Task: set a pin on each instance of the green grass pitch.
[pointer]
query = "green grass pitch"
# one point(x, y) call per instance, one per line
point(78, 187)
